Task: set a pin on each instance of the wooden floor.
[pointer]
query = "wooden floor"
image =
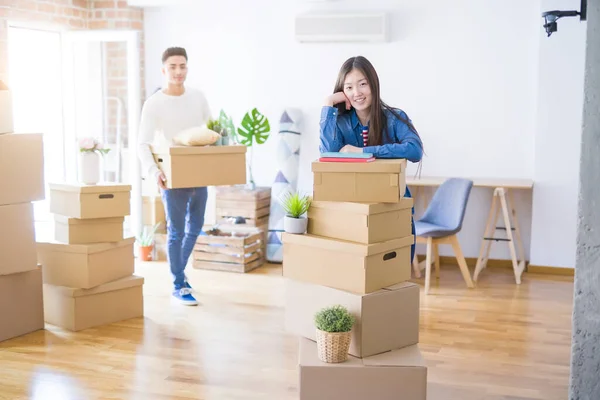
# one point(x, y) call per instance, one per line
point(498, 341)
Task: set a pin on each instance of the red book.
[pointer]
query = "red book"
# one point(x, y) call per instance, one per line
point(341, 159)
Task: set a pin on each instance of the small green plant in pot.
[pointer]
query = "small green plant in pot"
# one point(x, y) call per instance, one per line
point(146, 242)
point(334, 325)
point(295, 206)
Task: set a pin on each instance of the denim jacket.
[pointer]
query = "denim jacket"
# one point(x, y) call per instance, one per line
point(398, 141)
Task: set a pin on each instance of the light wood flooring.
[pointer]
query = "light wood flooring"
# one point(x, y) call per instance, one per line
point(497, 341)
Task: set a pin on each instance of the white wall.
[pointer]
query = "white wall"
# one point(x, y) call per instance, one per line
point(465, 71)
point(558, 140)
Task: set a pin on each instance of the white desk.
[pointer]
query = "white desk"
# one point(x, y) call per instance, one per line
point(502, 202)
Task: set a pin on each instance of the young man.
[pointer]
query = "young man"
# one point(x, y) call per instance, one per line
point(167, 112)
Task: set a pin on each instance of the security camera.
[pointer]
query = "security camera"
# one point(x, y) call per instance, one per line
point(550, 17)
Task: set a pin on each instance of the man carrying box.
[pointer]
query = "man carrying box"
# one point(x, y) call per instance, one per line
point(168, 112)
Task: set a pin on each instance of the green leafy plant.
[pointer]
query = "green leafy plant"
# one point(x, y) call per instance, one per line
point(255, 128)
point(334, 319)
point(215, 125)
point(295, 205)
point(227, 124)
point(146, 237)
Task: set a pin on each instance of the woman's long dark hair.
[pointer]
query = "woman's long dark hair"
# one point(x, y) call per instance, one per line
point(378, 120)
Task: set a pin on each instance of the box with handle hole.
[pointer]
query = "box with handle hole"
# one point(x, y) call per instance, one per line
point(353, 267)
point(97, 201)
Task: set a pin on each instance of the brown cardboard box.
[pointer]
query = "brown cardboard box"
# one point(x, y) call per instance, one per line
point(353, 267)
point(77, 309)
point(86, 265)
point(83, 202)
point(361, 222)
point(153, 211)
point(186, 167)
point(17, 247)
point(395, 375)
point(380, 181)
point(87, 231)
point(21, 304)
point(387, 319)
point(6, 110)
point(21, 168)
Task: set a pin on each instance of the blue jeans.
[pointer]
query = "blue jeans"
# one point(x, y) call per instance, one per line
point(184, 209)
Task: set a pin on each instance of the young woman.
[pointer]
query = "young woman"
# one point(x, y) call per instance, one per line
point(354, 119)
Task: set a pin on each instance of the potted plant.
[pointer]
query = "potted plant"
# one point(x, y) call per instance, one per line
point(90, 151)
point(216, 126)
point(145, 241)
point(334, 325)
point(295, 206)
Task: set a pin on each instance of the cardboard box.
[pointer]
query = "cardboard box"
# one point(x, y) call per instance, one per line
point(21, 168)
point(87, 231)
point(77, 309)
point(379, 181)
point(188, 167)
point(387, 319)
point(353, 267)
point(396, 375)
point(84, 202)
point(86, 265)
point(153, 211)
point(6, 110)
point(361, 222)
point(17, 246)
point(21, 304)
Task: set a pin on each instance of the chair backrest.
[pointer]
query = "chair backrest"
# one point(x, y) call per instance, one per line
point(448, 205)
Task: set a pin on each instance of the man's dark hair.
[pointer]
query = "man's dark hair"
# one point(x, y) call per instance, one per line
point(174, 51)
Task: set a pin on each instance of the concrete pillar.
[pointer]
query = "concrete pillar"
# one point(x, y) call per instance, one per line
point(585, 352)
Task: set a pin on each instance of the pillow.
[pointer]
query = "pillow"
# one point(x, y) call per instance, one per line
point(196, 136)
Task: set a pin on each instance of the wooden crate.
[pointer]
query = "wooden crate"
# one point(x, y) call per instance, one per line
point(234, 253)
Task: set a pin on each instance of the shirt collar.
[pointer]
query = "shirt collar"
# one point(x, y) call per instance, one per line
point(354, 119)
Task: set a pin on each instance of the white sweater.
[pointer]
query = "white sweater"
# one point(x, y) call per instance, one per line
point(163, 117)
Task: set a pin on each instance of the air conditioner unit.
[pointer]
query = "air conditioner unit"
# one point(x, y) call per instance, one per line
point(341, 27)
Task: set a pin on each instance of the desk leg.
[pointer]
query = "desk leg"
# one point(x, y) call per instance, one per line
point(520, 249)
point(490, 227)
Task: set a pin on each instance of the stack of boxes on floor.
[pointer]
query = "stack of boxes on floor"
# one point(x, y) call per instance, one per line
point(356, 253)
point(88, 270)
point(21, 183)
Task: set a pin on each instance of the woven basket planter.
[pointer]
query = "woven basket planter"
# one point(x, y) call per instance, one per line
point(333, 346)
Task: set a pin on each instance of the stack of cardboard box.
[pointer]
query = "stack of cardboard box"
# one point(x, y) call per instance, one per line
point(22, 182)
point(88, 268)
point(357, 254)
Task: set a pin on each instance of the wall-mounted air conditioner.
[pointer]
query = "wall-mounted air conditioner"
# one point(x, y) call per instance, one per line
point(341, 27)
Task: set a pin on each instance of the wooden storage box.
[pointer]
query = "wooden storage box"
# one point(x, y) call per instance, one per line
point(189, 167)
point(353, 267)
point(85, 202)
point(21, 304)
point(17, 246)
point(379, 181)
point(86, 265)
point(87, 231)
point(361, 222)
point(21, 168)
point(77, 309)
point(240, 250)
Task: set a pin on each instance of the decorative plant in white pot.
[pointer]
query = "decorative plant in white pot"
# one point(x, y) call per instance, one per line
point(295, 206)
point(334, 325)
point(90, 151)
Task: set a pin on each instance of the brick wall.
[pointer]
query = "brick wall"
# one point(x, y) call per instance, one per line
point(81, 14)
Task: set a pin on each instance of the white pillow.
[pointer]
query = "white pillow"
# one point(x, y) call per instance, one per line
point(196, 136)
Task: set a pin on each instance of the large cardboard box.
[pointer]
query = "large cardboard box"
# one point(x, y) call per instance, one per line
point(87, 231)
point(86, 265)
point(387, 319)
point(21, 304)
point(361, 222)
point(188, 167)
point(21, 168)
point(153, 211)
point(395, 375)
point(6, 110)
point(17, 241)
point(353, 267)
point(77, 309)
point(83, 202)
point(379, 181)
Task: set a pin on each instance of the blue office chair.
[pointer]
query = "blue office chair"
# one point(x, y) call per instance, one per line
point(439, 225)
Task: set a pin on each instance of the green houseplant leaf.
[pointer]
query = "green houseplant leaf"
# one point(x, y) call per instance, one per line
point(334, 319)
point(255, 128)
point(227, 123)
point(146, 237)
point(295, 205)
